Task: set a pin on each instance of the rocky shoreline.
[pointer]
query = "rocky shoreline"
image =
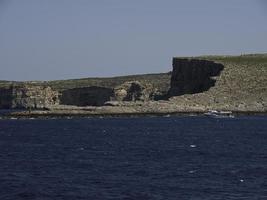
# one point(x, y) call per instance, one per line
point(194, 86)
point(116, 115)
point(150, 109)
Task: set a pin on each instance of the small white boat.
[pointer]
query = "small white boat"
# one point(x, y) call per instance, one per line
point(219, 114)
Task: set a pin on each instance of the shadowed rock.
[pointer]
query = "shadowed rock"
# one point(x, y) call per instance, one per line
point(191, 76)
point(5, 98)
point(86, 96)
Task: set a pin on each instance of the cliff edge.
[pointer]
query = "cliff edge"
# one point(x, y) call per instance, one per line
point(196, 84)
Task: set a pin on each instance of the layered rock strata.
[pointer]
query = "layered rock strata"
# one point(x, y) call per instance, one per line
point(28, 97)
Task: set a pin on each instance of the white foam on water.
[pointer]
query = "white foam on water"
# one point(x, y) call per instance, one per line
point(192, 171)
point(193, 146)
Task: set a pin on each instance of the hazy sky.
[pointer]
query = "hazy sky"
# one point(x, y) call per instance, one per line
point(60, 39)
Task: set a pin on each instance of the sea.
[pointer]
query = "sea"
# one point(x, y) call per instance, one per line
point(142, 158)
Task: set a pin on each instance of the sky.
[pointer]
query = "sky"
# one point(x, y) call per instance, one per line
point(62, 39)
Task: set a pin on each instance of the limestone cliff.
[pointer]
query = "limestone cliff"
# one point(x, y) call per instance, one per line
point(27, 96)
point(191, 76)
point(98, 96)
point(240, 86)
point(86, 96)
point(237, 83)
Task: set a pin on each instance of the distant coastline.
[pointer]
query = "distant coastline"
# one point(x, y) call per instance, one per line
point(194, 86)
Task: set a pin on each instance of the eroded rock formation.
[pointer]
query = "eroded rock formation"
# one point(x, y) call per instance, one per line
point(191, 76)
point(28, 96)
point(134, 91)
point(86, 96)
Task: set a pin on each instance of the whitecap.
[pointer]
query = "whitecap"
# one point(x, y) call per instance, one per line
point(192, 171)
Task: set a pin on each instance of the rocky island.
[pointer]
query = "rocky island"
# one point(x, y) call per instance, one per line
point(195, 85)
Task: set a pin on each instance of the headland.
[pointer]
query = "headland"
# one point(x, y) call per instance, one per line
point(194, 85)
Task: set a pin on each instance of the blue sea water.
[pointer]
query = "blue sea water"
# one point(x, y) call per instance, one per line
point(191, 158)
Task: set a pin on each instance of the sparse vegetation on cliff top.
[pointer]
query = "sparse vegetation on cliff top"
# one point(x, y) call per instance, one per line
point(241, 85)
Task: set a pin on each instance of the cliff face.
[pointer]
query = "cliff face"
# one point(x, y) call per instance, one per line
point(237, 83)
point(28, 96)
point(98, 96)
point(5, 98)
point(241, 85)
point(86, 96)
point(188, 76)
point(191, 76)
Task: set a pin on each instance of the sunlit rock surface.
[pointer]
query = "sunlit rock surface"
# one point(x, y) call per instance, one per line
point(27, 97)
